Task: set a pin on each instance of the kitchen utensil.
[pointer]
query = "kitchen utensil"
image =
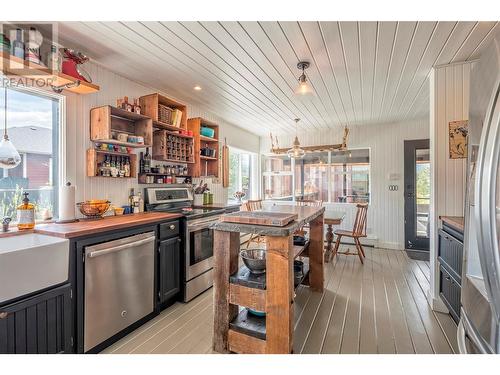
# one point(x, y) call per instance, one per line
point(93, 209)
point(277, 219)
point(254, 259)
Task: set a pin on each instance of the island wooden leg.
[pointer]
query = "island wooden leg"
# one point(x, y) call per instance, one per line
point(227, 246)
point(316, 258)
point(329, 242)
point(279, 295)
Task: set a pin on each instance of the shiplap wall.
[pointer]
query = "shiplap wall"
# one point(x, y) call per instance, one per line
point(77, 137)
point(449, 101)
point(386, 142)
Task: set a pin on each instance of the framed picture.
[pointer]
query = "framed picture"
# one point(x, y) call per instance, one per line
point(457, 131)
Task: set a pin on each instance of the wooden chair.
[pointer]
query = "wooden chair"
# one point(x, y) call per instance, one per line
point(254, 205)
point(308, 203)
point(358, 231)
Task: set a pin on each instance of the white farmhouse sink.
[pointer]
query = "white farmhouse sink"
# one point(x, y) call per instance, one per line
point(30, 262)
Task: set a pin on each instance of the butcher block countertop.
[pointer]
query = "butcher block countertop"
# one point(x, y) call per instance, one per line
point(305, 215)
point(456, 222)
point(86, 227)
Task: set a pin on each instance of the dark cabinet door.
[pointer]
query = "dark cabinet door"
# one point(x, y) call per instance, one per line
point(39, 324)
point(170, 269)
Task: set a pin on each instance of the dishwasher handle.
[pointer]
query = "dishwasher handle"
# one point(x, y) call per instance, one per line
point(114, 249)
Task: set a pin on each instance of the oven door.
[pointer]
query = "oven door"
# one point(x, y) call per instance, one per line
point(199, 246)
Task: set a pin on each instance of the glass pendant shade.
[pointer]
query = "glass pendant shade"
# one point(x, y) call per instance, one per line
point(296, 152)
point(9, 157)
point(304, 88)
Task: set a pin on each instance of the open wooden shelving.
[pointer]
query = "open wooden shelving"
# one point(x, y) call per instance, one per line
point(106, 120)
point(96, 157)
point(149, 107)
point(204, 166)
point(14, 66)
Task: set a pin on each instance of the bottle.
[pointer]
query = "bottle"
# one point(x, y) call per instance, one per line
point(54, 60)
point(26, 214)
point(137, 107)
point(141, 163)
point(131, 198)
point(17, 44)
point(127, 167)
point(128, 106)
point(147, 161)
point(140, 202)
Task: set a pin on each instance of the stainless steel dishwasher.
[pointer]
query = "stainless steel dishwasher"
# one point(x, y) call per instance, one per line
point(119, 286)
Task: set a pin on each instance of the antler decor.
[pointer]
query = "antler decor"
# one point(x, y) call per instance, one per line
point(340, 146)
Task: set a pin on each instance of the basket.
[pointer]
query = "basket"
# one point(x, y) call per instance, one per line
point(164, 114)
point(94, 209)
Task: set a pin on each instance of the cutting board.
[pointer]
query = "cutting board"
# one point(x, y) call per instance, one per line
point(275, 219)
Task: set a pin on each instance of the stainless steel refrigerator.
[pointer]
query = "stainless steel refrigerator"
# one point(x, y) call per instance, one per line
point(479, 326)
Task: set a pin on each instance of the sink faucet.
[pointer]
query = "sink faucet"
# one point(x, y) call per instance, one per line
point(5, 223)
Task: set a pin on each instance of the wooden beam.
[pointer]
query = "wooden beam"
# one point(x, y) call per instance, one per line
point(316, 258)
point(244, 344)
point(279, 299)
point(248, 297)
point(226, 247)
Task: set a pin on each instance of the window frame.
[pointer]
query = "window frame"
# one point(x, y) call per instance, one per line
point(329, 176)
point(59, 105)
point(253, 171)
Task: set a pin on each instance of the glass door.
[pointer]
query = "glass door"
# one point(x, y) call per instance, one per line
point(417, 194)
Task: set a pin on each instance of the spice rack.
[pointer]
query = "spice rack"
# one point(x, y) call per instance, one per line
point(204, 165)
point(96, 157)
point(177, 148)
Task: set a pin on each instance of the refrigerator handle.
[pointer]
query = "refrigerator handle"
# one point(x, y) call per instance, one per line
point(485, 210)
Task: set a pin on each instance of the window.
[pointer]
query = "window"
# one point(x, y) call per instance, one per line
point(277, 177)
point(242, 172)
point(33, 127)
point(340, 176)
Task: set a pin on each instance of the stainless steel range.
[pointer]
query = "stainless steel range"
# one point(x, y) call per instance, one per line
point(197, 239)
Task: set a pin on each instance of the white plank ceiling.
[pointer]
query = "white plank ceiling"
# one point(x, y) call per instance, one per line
point(362, 72)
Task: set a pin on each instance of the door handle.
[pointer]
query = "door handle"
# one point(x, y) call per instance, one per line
point(4, 315)
point(114, 249)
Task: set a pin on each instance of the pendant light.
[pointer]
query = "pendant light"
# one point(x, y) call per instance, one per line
point(296, 152)
point(304, 87)
point(9, 157)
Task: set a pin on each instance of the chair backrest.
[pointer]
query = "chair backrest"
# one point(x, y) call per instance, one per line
point(309, 202)
point(359, 227)
point(254, 205)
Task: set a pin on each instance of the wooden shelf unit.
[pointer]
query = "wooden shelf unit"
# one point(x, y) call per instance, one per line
point(173, 147)
point(204, 166)
point(95, 157)
point(14, 66)
point(107, 119)
point(149, 107)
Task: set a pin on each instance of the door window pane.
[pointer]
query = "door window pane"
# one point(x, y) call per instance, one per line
point(422, 192)
point(33, 126)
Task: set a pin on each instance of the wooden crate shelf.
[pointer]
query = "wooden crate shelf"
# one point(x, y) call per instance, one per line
point(14, 66)
point(204, 166)
point(149, 107)
point(95, 157)
point(106, 120)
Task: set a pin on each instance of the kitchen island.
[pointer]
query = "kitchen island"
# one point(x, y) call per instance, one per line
point(234, 331)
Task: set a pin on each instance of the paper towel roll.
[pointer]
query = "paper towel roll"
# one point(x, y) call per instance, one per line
point(67, 203)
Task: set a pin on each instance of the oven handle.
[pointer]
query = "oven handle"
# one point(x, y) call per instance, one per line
point(200, 225)
point(114, 249)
